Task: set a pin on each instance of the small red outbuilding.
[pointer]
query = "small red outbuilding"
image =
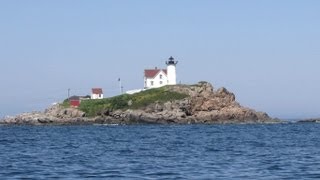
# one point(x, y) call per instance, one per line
point(74, 101)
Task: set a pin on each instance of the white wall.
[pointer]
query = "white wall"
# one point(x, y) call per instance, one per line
point(134, 91)
point(156, 81)
point(172, 76)
point(96, 96)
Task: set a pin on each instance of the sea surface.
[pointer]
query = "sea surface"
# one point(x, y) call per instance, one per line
point(276, 151)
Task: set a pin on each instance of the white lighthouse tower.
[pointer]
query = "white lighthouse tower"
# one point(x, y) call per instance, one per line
point(171, 71)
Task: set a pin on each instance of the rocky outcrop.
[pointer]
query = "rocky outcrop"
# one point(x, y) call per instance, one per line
point(52, 115)
point(64, 113)
point(314, 120)
point(203, 105)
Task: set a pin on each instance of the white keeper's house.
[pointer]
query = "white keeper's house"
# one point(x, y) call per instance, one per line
point(96, 93)
point(154, 78)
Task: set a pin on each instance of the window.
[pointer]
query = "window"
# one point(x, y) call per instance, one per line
point(151, 83)
point(160, 76)
point(160, 82)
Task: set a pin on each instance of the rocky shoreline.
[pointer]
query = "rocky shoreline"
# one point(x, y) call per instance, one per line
point(204, 105)
point(316, 120)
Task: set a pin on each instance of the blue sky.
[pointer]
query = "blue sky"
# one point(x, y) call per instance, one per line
point(266, 52)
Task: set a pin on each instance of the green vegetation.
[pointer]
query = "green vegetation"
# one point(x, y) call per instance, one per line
point(65, 103)
point(135, 101)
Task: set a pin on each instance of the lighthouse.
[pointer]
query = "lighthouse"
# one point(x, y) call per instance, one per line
point(171, 71)
point(155, 78)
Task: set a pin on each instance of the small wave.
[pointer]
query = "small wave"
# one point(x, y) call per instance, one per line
point(106, 124)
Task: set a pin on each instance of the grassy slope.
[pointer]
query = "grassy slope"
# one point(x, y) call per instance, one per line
point(139, 100)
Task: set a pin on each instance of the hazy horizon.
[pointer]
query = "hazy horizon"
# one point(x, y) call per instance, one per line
point(265, 52)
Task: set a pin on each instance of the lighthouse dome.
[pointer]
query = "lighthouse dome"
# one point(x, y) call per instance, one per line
point(171, 61)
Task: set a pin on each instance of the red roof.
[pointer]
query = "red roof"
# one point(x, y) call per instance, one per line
point(151, 73)
point(97, 91)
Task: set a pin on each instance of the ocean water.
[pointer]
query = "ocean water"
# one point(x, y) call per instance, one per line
point(277, 151)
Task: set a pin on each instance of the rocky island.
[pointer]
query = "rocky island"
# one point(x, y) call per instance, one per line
point(175, 104)
point(312, 120)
